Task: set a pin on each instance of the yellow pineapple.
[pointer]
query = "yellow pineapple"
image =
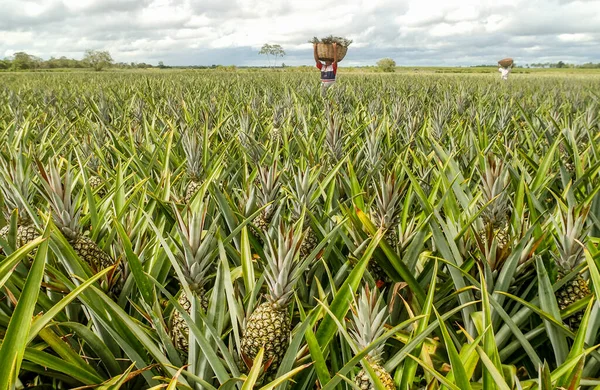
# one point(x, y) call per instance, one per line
point(269, 324)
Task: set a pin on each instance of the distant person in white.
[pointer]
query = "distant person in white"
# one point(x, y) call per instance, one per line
point(504, 72)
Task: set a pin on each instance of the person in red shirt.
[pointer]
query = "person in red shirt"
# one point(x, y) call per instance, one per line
point(328, 69)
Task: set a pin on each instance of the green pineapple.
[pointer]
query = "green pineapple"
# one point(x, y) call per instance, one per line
point(368, 319)
point(16, 186)
point(269, 324)
point(268, 184)
point(193, 149)
point(66, 211)
point(195, 257)
point(569, 229)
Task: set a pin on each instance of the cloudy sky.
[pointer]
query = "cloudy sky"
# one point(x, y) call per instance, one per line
point(205, 32)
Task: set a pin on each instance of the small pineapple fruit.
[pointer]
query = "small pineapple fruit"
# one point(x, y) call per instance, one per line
point(569, 229)
point(268, 187)
point(95, 181)
point(66, 211)
point(368, 319)
point(195, 256)
point(269, 324)
point(15, 187)
point(93, 163)
point(193, 149)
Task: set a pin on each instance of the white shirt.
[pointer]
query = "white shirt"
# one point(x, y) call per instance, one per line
point(504, 73)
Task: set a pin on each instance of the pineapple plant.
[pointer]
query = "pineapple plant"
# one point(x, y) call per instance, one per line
point(496, 216)
point(387, 208)
point(569, 232)
point(368, 319)
point(95, 181)
point(305, 197)
point(93, 163)
point(275, 134)
point(268, 187)
point(193, 149)
point(269, 324)
point(196, 254)
point(17, 194)
point(66, 211)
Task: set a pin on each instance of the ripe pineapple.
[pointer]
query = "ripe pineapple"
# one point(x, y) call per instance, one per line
point(268, 186)
point(269, 324)
point(368, 319)
point(196, 255)
point(15, 186)
point(192, 147)
point(66, 210)
point(569, 228)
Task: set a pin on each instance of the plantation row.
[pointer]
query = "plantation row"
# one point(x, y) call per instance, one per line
point(198, 230)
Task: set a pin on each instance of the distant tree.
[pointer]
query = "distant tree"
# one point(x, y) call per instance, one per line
point(161, 64)
point(387, 65)
point(97, 59)
point(272, 50)
point(22, 60)
point(560, 64)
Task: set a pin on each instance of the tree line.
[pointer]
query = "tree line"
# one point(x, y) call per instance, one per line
point(96, 59)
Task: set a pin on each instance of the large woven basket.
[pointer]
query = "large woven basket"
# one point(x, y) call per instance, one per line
point(505, 62)
point(325, 52)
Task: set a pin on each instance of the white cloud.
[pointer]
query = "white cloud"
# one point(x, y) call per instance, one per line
point(230, 31)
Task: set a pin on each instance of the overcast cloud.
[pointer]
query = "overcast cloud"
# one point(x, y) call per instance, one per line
point(205, 32)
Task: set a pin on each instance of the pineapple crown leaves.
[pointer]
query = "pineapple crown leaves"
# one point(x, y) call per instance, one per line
point(197, 248)
point(16, 184)
point(192, 144)
point(90, 152)
point(369, 316)
point(494, 182)
point(58, 192)
point(269, 183)
point(304, 192)
point(283, 267)
point(278, 112)
point(569, 228)
point(387, 200)
point(331, 39)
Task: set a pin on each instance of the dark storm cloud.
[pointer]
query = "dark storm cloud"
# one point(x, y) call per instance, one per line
point(205, 32)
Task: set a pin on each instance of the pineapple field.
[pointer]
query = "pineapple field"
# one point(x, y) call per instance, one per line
point(212, 230)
